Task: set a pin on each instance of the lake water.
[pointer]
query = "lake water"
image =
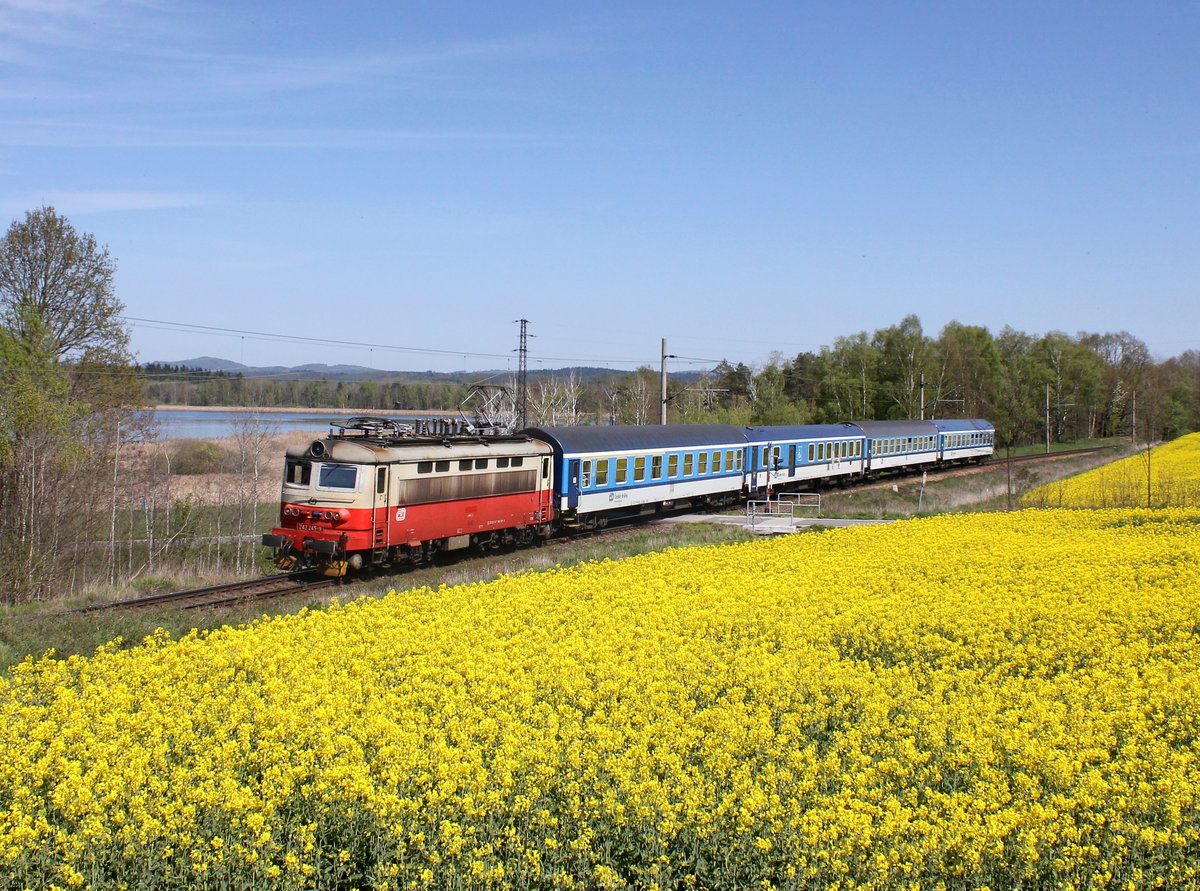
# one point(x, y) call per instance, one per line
point(191, 424)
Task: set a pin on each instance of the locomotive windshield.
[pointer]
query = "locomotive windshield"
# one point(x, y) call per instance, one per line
point(338, 476)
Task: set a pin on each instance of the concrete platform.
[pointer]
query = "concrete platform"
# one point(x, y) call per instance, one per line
point(769, 525)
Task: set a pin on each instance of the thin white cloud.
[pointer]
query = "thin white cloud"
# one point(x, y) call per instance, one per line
point(108, 201)
point(76, 134)
point(84, 73)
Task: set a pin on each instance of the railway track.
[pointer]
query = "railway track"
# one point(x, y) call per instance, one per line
point(281, 585)
point(228, 593)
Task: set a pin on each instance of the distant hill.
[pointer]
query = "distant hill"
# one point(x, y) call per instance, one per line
point(320, 371)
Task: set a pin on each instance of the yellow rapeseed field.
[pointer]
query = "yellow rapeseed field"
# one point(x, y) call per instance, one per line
point(1169, 476)
point(990, 701)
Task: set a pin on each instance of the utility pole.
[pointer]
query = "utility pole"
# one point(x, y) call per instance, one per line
point(523, 377)
point(663, 381)
point(922, 395)
point(1047, 419)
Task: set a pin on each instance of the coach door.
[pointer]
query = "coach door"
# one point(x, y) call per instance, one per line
point(573, 484)
point(792, 461)
point(379, 512)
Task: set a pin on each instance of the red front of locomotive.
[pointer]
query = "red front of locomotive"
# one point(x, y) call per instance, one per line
point(326, 510)
point(361, 499)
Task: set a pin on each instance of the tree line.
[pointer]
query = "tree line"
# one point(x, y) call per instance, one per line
point(1069, 387)
point(72, 401)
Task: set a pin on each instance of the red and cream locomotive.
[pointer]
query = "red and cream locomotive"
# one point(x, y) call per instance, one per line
point(379, 493)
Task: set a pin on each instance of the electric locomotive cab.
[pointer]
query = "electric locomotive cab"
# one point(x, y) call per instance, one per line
point(327, 506)
point(380, 493)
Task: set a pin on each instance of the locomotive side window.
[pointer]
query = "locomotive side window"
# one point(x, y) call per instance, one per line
point(298, 473)
point(381, 481)
point(501, 462)
point(424, 467)
point(338, 476)
point(481, 463)
point(518, 461)
point(442, 466)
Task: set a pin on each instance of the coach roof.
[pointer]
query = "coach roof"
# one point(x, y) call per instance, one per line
point(577, 440)
point(876, 429)
point(802, 432)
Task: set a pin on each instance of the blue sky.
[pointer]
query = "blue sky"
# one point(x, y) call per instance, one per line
point(740, 178)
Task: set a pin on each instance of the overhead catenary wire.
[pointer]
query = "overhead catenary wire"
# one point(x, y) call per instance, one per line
point(279, 337)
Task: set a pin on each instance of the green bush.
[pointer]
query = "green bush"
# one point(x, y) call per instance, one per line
point(195, 456)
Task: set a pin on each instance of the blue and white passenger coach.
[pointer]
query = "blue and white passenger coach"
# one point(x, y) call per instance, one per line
point(780, 456)
point(622, 471)
point(965, 440)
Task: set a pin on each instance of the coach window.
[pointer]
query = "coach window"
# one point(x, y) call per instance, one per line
point(729, 460)
point(656, 467)
point(338, 476)
point(716, 462)
point(602, 472)
point(585, 480)
point(380, 480)
point(776, 454)
point(672, 466)
point(639, 470)
point(689, 464)
point(622, 470)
